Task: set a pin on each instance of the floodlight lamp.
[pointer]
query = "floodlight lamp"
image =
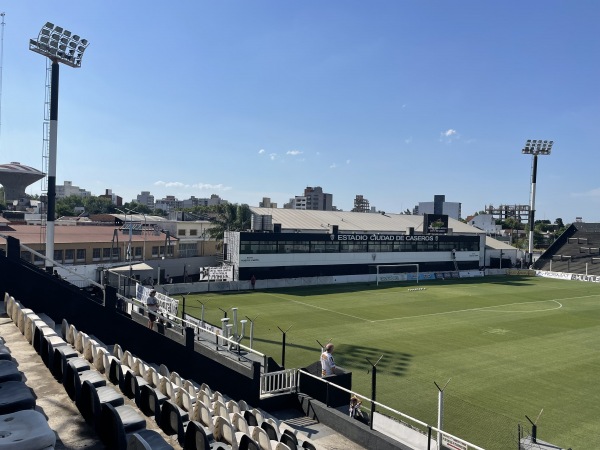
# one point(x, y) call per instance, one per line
point(53, 41)
point(537, 147)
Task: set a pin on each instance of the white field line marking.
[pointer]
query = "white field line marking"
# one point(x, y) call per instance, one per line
point(321, 308)
point(483, 308)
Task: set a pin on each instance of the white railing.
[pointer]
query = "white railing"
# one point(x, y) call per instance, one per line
point(413, 423)
point(278, 383)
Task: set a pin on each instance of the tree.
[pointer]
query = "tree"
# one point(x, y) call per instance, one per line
point(136, 207)
point(231, 217)
point(92, 205)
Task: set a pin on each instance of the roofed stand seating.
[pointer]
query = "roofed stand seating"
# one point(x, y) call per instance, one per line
point(577, 250)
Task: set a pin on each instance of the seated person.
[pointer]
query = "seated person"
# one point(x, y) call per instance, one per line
point(354, 410)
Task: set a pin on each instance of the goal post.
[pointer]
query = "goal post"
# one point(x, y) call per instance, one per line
point(391, 272)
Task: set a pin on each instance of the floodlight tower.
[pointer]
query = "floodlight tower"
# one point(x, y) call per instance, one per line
point(534, 147)
point(60, 46)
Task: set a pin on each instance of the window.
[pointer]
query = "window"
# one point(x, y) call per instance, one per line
point(181, 232)
point(193, 232)
point(69, 255)
point(95, 254)
point(317, 247)
point(187, 250)
point(58, 255)
point(25, 255)
point(81, 254)
point(116, 251)
point(106, 253)
point(137, 252)
point(155, 252)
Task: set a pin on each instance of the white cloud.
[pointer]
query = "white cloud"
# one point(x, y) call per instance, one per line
point(201, 186)
point(294, 152)
point(261, 151)
point(449, 135)
point(211, 187)
point(449, 132)
point(170, 184)
point(273, 156)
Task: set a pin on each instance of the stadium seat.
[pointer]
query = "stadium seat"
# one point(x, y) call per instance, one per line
point(117, 423)
point(22, 318)
point(64, 329)
point(9, 371)
point(41, 330)
point(92, 399)
point(5, 354)
point(264, 442)
point(150, 401)
point(48, 344)
point(59, 360)
point(250, 418)
point(272, 432)
point(147, 440)
point(15, 396)
point(26, 430)
point(196, 437)
point(289, 439)
point(173, 420)
point(224, 432)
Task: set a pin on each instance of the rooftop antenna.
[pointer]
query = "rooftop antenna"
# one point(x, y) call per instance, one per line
point(1, 66)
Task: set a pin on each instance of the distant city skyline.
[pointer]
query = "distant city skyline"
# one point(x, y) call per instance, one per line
point(397, 101)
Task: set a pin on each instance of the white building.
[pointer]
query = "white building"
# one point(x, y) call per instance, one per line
point(67, 190)
point(487, 223)
point(146, 199)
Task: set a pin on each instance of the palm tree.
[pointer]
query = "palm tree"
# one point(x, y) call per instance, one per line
point(231, 217)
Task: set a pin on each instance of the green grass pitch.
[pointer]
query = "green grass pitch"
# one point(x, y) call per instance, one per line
point(510, 346)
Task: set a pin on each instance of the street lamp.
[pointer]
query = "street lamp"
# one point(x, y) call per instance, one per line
point(129, 248)
point(534, 147)
point(60, 46)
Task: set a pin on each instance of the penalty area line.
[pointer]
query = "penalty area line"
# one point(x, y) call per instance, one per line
point(484, 308)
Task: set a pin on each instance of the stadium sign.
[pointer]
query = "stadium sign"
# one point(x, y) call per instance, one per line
point(223, 273)
point(383, 237)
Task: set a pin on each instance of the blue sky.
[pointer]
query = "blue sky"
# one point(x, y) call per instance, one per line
point(395, 100)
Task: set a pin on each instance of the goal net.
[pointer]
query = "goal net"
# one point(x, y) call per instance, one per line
point(397, 272)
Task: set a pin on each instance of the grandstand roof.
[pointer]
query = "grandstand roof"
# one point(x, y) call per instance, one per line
point(321, 221)
point(495, 244)
point(34, 234)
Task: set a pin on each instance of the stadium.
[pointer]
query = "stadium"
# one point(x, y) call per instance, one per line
point(287, 243)
point(444, 317)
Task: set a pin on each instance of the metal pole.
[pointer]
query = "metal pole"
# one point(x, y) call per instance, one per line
point(52, 165)
point(440, 421)
point(373, 388)
point(283, 346)
point(532, 207)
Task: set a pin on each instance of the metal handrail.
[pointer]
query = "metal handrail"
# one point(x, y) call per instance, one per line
point(401, 414)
